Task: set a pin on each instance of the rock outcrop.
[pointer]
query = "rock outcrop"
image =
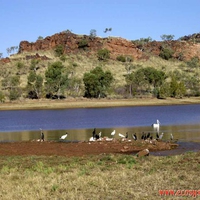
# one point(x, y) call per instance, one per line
point(116, 46)
point(183, 49)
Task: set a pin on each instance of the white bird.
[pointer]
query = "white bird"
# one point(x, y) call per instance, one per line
point(92, 139)
point(100, 135)
point(113, 133)
point(161, 136)
point(171, 137)
point(121, 135)
point(63, 136)
point(156, 125)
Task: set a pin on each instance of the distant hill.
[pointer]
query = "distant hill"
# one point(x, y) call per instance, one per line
point(80, 54)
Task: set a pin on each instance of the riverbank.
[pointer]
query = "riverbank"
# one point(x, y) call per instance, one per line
point(94, 103)
point(69, 149)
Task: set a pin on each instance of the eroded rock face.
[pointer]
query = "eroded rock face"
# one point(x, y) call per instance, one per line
point(116, 45)
point(70, 41)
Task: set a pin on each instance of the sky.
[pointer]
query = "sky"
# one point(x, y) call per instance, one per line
point(130, 19)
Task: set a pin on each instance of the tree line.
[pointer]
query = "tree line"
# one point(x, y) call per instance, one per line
point(59, 82)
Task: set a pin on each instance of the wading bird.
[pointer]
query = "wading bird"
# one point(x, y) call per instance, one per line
point(156, 125)
point(113, 133)
point(64, 136)
point(161, 136)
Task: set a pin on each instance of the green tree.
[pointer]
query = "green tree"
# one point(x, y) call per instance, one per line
point(56, 79)
point(167, 37)
point(93, 33)
point(34, 85)
point(130, 81)
point(2, 97)
point(177, 88)
point(40, 38)
point(145, 79)
point(97, 83)
point(12, 83)
point(163, 91)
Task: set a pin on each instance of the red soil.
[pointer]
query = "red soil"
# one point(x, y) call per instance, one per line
point(79, 149)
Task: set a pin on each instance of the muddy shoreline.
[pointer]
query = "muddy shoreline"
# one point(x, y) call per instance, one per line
point(94, 103)
point(48, 148)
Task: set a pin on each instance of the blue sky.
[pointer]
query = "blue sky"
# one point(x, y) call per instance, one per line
point(130, 19)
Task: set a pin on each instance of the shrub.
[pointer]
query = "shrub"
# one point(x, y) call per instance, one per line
point(193, 63)
point(103, 54)
point(83, 44)
point(166, 53)
point(59, 50)
point(121, 58)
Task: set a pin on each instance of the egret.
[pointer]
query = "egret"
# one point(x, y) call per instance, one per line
point(64, 136)
point(161, 136)
point(121, 135)
point(156, 125)
point(171, 137)
point(113, 133)
point(92, 139)
point(99, 135)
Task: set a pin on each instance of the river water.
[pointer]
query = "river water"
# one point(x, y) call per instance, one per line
point(183, 121)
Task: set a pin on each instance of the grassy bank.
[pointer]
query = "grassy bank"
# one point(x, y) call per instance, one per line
point(106, 176)
point(92, 103)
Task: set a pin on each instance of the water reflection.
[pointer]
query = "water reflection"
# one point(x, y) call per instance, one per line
point(184, 133)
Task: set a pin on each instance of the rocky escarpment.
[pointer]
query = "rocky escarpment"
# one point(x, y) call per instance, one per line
point(71, 42)
point(184, 48)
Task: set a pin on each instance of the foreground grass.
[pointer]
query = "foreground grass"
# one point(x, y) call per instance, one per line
point(96, 177)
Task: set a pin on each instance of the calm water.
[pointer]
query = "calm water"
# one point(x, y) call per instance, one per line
point(181, 120)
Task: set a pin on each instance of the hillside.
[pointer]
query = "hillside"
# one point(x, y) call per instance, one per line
point(80, 55)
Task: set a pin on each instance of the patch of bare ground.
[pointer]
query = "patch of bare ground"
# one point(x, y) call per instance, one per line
point(81, 148)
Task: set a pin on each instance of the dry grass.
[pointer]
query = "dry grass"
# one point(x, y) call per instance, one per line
point(86, 63)
point(96, 177)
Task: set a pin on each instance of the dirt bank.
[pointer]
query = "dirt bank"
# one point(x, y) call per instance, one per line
point(81, 148)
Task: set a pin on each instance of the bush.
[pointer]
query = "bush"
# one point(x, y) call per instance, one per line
point(83, 44)
point(2, 97)
point(59, 50)
point(15, 93)
point(166, 53)
point(121, 58)
point(103, 54)
point(193, 63)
